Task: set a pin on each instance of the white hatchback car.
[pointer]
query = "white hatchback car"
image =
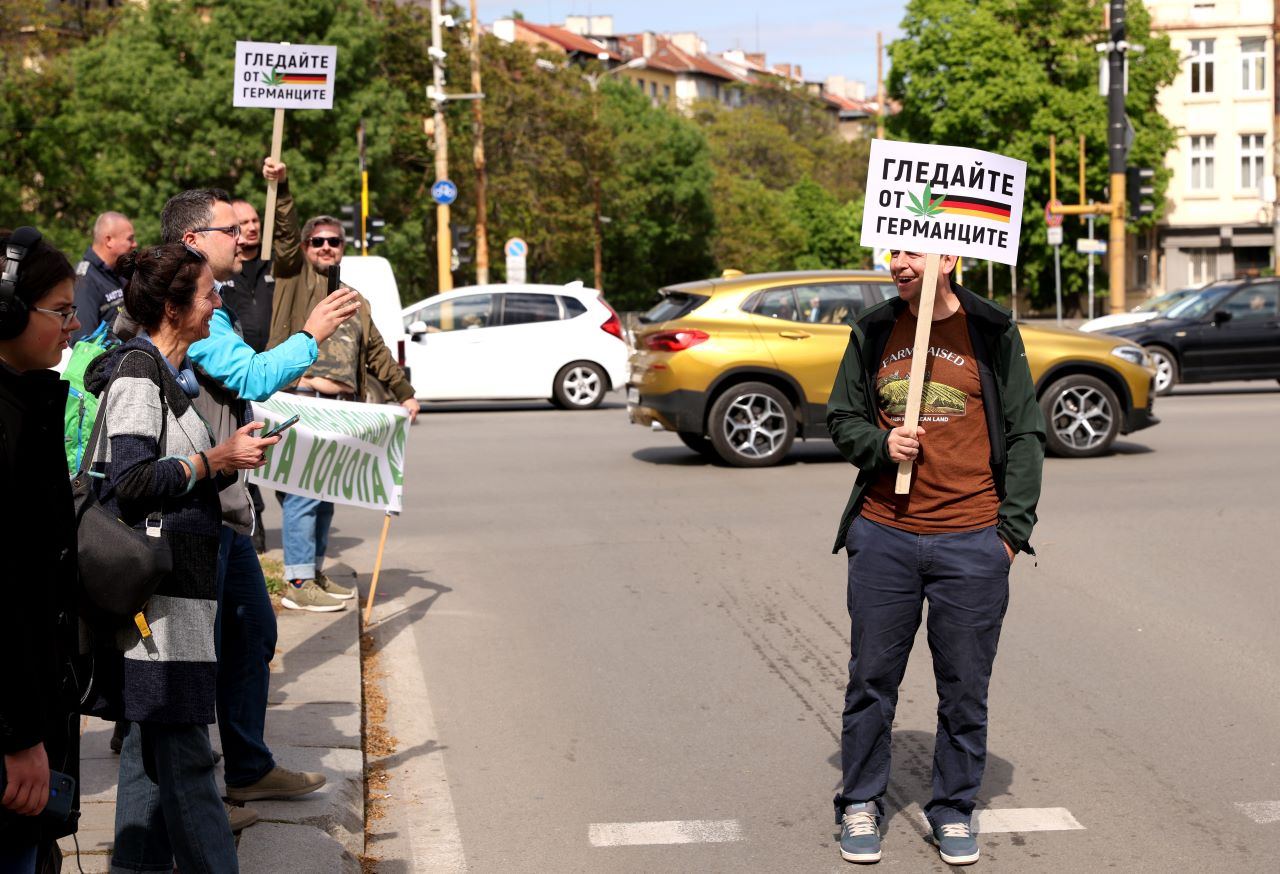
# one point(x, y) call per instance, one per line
point(518, 341)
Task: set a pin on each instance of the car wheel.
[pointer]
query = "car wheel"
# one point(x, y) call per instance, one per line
point(1083, 416)
point(752, 425)
point(697, 443)
point(579, 386)
point(1166, 369)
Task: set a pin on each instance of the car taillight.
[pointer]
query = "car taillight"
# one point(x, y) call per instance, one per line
point(675, 341)
point(400, 352)
point(614, 324)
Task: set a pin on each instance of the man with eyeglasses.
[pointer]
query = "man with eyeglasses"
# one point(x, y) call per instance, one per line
point(99, 292)
point(230, 372)
point(342, 371)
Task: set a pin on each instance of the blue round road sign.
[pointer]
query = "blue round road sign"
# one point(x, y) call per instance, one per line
point(444, 192)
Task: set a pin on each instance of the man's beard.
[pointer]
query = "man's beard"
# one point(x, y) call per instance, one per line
point(321, 268)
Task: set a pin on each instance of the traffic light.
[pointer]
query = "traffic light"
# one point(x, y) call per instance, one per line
point(461, 244)
point(1140, 185)
point(375, 225)
point(351, 223)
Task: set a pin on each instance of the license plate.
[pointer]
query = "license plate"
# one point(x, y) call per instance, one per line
point(633, 395)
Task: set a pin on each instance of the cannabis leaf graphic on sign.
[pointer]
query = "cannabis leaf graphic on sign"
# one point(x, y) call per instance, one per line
point(274, 78)
point(925, 206)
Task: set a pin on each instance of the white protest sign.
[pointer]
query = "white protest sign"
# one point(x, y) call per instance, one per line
point(284, 76)
point(339, 451)
point(943, 199)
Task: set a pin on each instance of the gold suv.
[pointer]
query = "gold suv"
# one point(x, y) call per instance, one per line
point(740, 366)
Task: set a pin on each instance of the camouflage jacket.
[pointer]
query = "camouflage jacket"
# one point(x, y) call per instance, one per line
point(299, 288)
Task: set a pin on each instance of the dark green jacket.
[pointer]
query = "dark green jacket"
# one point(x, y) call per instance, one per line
point(1015, 424)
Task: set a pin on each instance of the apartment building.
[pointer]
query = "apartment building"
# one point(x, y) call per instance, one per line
point(1220, 220)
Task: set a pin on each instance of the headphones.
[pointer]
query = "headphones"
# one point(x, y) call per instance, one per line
point(13, 309)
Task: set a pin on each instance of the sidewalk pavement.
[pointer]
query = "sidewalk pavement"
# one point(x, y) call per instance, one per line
point(313, 724)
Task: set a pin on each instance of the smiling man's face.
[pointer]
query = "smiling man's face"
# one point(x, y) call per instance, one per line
point(907, 270)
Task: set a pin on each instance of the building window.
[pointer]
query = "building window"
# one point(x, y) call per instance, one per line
point(1198, 261)
point(653, 90)
point(1253, 65)
point(1202, 162)
point(666, 93)
point(1202, 66)
point(1252, 159)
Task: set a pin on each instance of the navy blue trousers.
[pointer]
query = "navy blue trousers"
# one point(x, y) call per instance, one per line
point(965, 579)
point(245, 633)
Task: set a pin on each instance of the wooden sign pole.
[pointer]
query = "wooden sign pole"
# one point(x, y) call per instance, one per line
point(919, 359)
point(377, 567)
point(269, 214)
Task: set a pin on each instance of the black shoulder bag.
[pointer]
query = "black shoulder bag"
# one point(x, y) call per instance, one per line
point(120, 566)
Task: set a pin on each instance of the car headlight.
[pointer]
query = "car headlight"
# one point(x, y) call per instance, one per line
point(1132, 353)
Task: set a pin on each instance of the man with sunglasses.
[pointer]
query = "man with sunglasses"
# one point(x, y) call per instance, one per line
point(343, 368)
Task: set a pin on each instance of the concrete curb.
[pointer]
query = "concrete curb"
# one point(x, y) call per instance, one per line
point(313, 724)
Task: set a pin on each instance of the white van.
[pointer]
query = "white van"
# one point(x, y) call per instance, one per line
point(371, 275)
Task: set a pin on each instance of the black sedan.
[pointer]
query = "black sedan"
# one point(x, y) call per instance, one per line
point(1231, 330)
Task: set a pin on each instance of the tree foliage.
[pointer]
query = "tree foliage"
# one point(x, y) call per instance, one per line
point(121, 109)
point(1002, 75)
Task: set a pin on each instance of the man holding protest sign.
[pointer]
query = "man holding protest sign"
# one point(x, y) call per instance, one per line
point(341, 372)
point(949, 531)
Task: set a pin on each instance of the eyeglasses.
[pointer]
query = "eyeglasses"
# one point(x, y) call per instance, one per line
point(332, 242)
point(67, 316)
point(232, 231)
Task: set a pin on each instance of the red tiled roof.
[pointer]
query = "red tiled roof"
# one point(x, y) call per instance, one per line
point(567, 40)
point(670, 57)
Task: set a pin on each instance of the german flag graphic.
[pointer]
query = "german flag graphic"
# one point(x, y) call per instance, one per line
point(975, 207)
point(320, 79)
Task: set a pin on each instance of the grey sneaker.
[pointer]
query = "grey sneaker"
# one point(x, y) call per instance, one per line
point(956, 844)
point(240, 817)
point(310, 596)
point(333, 590)
point(278, 783)
point(860, 834)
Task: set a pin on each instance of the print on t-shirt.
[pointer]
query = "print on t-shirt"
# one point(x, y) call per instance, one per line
point(938, 402)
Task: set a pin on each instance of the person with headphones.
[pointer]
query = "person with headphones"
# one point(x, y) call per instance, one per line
point(39, 726)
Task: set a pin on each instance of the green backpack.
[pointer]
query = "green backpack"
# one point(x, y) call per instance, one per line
point(82, 407)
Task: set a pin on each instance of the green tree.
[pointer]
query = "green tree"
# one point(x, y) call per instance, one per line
point(1002, 76)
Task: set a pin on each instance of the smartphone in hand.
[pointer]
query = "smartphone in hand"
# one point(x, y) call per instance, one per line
point(282, 427)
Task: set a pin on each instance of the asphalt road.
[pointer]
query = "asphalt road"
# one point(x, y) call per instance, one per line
point(611, 630)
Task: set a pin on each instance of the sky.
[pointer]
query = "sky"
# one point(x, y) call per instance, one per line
point(826, 37)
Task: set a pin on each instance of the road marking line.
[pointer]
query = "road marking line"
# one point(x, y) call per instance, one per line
point(1261, 812)
point(674, 831)
point(422, 804)
point(1024, 819)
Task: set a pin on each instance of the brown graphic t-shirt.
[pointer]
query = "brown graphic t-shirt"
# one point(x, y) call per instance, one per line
point(952, 488)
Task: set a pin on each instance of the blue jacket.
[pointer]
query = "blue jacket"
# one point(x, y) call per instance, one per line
point(254, 376)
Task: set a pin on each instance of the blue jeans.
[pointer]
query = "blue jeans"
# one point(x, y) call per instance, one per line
point(306, 535)
point(965, 577)
point(18, 860)
point(167, 805)
point(245, 634)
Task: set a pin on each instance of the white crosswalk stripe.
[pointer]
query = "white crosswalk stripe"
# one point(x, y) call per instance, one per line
point(676, 831)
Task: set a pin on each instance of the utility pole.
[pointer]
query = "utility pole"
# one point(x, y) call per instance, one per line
point(444, 241)
point(1117, 156)
point(880, 83)
point(477, 154)
point(364, 192)
point(1117, 149)
point(1275, 136)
